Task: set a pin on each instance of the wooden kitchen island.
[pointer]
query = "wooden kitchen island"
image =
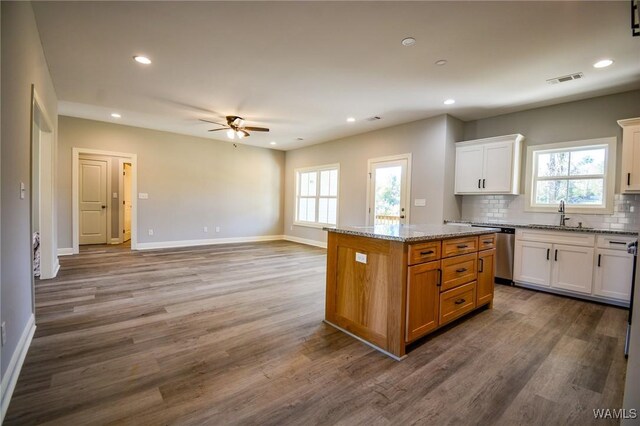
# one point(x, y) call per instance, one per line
point(389, 285)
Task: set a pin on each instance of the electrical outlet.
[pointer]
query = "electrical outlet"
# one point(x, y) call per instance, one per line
point(115, 195)
point(150, 231)
point(22, 190)
point(3, 332)
point(205, 229)
point(217, 229)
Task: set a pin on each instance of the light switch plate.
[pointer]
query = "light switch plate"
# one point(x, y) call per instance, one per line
point(419, 202)
point(143, 195)
point(115, 195)
point(22, 190)
point(361, 258)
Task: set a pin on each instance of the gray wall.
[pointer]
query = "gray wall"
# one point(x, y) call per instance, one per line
point(426, 140)
point(192, 182)
point(23, 64)
point(586, 119)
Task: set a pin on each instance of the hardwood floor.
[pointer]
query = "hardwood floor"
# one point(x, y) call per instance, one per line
point(233, 334)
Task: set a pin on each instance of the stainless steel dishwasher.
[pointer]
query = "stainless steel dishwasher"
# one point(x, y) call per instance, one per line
point(504, 254)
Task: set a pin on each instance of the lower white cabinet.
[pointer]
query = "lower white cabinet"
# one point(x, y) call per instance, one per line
point(554, 265)
point(572, 268)
point(531, 263)
point(598, 269)
point(613, 273)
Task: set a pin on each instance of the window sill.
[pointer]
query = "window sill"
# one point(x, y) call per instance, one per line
point(313, 225)
point(570, 210)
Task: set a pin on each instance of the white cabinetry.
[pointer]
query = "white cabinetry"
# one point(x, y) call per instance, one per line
point(575, 264)
point(531, 263)
point(572, 268)
point(613, 269)
point(630, 174)
point(489, 166)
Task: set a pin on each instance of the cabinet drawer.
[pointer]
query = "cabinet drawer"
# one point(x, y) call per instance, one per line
point(424, 252)
point(457, 302)
point(486, 242)
point(614, 242)
point(459, 246)
point(459, 270)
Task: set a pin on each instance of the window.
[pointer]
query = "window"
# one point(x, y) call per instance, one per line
point(579, 173)
point(317, 195)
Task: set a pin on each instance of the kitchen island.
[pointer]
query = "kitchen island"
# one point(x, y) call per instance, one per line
point(389, 285)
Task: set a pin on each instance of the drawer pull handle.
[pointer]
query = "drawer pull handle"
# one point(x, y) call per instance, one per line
point(618, 242)
point(424, 253)
point(461, 246)
point(599, 259)
point(487, 242)
point(459, 301)
point(461, 270)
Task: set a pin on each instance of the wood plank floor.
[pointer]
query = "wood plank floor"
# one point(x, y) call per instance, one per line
point(233, 334)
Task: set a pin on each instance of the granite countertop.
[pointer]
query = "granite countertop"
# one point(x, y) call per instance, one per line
point(548, 227)
point(412, 233)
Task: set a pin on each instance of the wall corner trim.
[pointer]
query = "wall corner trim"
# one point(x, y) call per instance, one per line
point(67, 251)
point(306, 241)
point(15, 365)
point(206, 242)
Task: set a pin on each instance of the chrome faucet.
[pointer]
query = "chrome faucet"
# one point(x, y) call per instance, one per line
point(563, 218)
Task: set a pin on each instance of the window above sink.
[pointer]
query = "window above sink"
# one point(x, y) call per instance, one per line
point(580, 173)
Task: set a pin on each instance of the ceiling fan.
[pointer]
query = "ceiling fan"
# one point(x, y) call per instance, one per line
point(235, 127)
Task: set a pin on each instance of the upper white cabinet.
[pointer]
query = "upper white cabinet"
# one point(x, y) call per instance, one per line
point(489, 166)
point(630, 175)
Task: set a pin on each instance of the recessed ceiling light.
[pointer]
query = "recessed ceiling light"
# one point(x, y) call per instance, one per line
point(409, 41)
point(441, 62)
point(272, 143)
point(603, 63)
point(350, 120)
point(142, 60)
point(450, 102)
point(115, 115)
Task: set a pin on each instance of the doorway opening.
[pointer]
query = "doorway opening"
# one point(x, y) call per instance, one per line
point(45, 263)
point(388, 190)
point(103, 188)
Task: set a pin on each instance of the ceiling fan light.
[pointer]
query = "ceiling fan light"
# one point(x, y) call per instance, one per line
point(231, 134)
point(240, 134)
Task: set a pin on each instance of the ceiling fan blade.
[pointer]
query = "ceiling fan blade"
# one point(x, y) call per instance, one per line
point(213, 122)
point(244, 133)
point(215, 130)
point(256, 129)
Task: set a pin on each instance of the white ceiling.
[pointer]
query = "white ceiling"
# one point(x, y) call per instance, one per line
point(302, 68)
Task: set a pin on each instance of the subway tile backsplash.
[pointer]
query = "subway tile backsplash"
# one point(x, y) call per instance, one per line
point(510, 208)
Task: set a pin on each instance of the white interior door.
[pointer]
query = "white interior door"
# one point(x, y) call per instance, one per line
point(126, 200)
point(93, 201)
point(389, 192)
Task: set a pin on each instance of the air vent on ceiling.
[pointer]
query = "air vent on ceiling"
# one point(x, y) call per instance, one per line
point(374, 118)
point(565, 78)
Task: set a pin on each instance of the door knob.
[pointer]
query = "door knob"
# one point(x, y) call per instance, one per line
point(104, 207)
point(401, 216)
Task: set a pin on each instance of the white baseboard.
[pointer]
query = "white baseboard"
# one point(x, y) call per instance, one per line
point(306, 241)
point(214, 241)
point(115, 241)
point(65, 251)
point(15, 365)
point(56, 268)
